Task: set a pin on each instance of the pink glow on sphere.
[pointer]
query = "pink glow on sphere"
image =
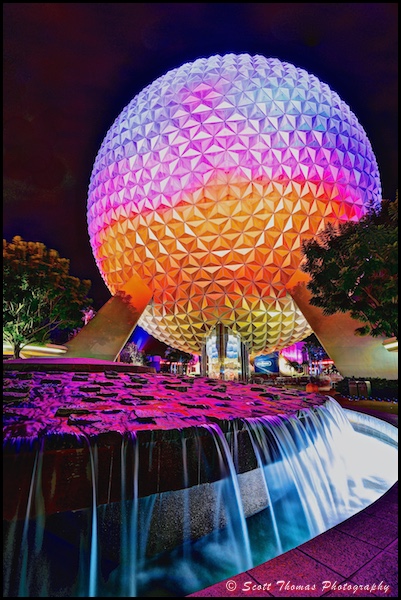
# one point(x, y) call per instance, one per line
point(207, 183)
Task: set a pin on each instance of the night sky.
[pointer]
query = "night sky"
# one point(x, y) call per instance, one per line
point(69, 70)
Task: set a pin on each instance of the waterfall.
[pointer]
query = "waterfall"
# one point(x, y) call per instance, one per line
point(234, 513)
point(93, 570)
point(307, 469)
point(129, 519)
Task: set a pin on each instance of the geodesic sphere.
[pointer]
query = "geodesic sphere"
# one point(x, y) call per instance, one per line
point(206, 184)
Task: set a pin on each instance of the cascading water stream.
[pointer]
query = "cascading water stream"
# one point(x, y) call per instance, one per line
point(186, 506)
point(129, 519)
point(331, 430)
point(35, 497)
point(289, 470)
point(93, 568)
point(370, 425)
point(264, 458)
point(235, 518)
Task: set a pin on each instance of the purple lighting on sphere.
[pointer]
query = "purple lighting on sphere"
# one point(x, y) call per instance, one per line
point(206, 185)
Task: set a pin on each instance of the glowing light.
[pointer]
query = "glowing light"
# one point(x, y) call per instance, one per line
point(140, 338)
point(42, 349)
point(296, 352)
point(391, 344)
point(284, 367)
point(206, 184)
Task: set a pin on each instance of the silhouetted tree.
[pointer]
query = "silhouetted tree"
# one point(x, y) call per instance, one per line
point(39, 294)
point(354, 267)
point(314, 350)
point(131, 354)
point(295, 366)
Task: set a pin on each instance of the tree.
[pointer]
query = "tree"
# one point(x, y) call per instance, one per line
point(132, 355)
point(294, 365)
point(88, 313)
point(39, 296)
point(314, 350)
point(354, 267)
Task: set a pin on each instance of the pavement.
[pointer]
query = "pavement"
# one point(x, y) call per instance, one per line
point(356, 558)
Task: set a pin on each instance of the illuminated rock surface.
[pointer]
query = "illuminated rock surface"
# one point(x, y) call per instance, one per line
point(43, 404)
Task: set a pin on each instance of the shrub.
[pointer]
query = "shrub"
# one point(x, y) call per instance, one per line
point(381, 388)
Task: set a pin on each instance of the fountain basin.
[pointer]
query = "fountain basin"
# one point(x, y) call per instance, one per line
point(65, 412)
point(156, 463)
point(65, 463)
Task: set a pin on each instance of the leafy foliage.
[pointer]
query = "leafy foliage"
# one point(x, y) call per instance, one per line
point(132, 355)
point(39, 295)
point(314, 349)
point(354, 267)
point(294, 365)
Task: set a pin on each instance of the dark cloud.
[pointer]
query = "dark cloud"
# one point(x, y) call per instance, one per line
point(70, 68)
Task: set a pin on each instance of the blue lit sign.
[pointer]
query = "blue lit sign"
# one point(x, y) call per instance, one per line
point(267, 363)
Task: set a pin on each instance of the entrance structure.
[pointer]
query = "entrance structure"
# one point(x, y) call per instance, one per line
point(207, 183)
point(224, 355)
